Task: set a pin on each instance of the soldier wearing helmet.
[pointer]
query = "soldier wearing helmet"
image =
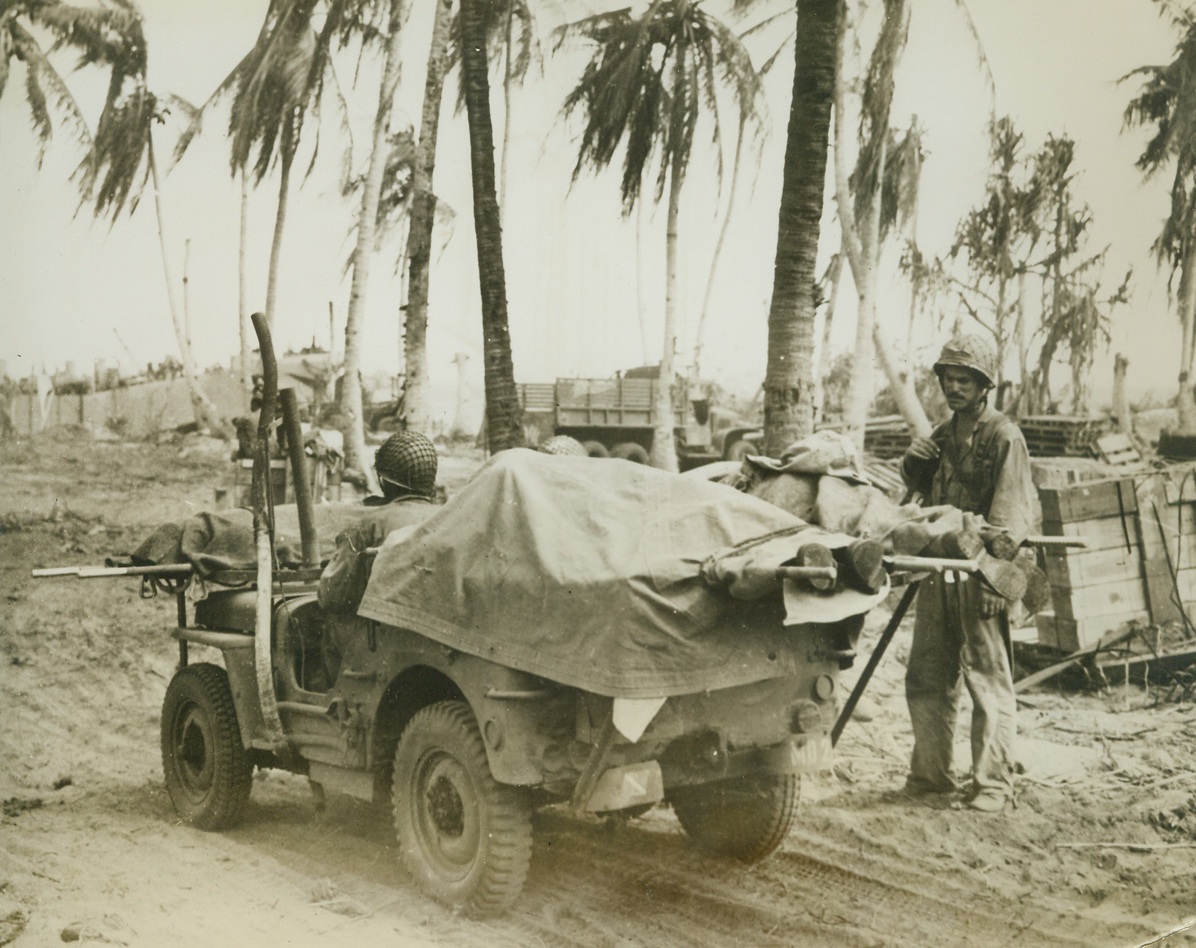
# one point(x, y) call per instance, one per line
point(406, 466)
point(976, 461)
point(563, 445)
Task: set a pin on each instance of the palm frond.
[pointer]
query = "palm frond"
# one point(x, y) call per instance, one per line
point(45, 89)
point(650, 81)
point(113, 175)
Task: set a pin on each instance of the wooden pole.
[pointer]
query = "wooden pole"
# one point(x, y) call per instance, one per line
point(307, 529)
point(1121, 402)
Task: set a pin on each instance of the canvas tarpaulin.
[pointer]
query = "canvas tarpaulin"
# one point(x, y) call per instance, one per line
point(588, 572)
point(212, 542)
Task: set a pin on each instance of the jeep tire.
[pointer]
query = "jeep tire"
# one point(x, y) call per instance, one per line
point(464, 837)
point(745, 818)
point(208, 774)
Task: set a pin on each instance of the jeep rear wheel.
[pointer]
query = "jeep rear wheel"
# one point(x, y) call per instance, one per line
point(745, 818)
point(464, 837)
point(208, 774)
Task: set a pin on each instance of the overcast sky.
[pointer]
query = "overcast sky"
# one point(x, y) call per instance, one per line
point(72, 289)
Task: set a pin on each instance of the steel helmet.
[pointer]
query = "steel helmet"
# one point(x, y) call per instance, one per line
point(563, 444)
point(406, 463)
point(970, 352)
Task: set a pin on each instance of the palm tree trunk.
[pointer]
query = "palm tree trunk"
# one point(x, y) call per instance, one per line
point(902, 386)
point(201, 406)
point(641, 292)
point(423, 218)
point(506, 116)
point(663, 453)
point(504, 419)
point(1186, 399)
point(247, 334)
point(700, 335)
point(280, 221)
point(363, 252)
point(835, 278)
point(664, 449)
point(788, 381)
point(859, 394)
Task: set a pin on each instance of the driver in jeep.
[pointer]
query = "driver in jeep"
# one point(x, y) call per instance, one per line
point(406, 466)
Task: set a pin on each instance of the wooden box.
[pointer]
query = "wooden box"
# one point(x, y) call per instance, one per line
point(1088, 501)
point(1071, 635)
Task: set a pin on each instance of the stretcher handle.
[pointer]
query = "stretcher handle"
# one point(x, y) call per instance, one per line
point(929, 564)
point(96, 572)
point(807, 572)
point(1050, 542)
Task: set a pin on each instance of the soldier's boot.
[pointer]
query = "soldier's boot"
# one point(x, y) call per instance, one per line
point(861, 565)
point(817, 554)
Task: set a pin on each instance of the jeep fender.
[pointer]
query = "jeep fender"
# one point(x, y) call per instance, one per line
point(520, 715)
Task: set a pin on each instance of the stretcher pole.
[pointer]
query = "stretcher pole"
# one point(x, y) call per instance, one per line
point(878, 653)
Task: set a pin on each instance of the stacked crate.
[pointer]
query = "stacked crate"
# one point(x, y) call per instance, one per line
point(1102, 587)
point(1063, 435)
point(886, 437)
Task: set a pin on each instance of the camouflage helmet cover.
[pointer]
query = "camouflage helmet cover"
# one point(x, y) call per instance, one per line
point(969, 352)
point(406, 462)
point(563, 444)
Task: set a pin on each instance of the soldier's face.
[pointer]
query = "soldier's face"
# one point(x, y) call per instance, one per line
point(962, 389)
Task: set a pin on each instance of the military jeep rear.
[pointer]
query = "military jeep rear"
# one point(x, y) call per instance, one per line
point(598, 636)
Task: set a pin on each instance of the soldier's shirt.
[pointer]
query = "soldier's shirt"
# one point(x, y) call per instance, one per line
point(987, 473)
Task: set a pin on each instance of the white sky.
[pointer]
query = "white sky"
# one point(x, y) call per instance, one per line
point(72, 289)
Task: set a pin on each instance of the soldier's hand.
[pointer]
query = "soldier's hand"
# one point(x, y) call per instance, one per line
point(923, 449)
point(992, 603)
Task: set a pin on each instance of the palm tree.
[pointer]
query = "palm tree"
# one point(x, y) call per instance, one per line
point(122, 159)
point(46, 92)
point(651, 81)
point(503, 414)
point(788, 380)
point(880, 195)
point(110, 37)
point(278, 83)
point(511, 40)
point(1167, 101)
point(351, 397)
point(423, 216)
point(270, 97)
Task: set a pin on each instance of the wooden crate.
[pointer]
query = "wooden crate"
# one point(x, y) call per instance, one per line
point(1063, 435)
point(1102, 533)
point(1104, 599)
point(1071, 635)
point(1088, 501)
point(1077, 569)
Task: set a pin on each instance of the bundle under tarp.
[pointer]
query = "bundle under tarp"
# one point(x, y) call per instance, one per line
point(589, 573)
point(221, 541)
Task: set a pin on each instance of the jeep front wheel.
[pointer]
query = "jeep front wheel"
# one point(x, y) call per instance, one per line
point(745, 818)
point(464, 837)
point(208, 774)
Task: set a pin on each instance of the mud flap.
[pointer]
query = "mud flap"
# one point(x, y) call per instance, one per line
point(623, 787)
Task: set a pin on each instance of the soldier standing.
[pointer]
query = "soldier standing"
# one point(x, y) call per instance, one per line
point(976, 461)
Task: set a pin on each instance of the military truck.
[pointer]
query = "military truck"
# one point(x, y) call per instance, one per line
point(615, 417)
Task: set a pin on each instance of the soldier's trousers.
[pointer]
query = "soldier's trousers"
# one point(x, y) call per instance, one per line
point(952, 643)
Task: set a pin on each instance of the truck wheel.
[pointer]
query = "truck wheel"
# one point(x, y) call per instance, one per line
point(464, 837)
point(745, 818)
point(595, 449)
point(208, 774)
point(630, 451)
